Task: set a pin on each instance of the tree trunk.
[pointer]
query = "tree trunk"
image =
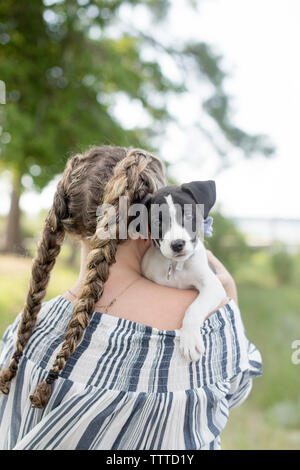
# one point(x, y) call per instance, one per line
point(13, 236)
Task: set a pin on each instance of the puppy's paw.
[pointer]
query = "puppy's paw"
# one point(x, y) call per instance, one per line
point(191, 343)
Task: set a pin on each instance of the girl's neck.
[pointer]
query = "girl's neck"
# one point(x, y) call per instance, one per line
point(126, 268)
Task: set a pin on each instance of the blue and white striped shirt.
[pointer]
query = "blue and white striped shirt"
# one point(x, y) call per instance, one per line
point(126, 386)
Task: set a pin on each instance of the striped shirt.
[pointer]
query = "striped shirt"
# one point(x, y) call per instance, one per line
point(126, 386)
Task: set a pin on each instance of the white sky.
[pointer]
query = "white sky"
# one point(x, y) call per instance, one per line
point(260, 42)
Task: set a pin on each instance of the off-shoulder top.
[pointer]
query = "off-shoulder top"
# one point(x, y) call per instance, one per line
point(126, 386)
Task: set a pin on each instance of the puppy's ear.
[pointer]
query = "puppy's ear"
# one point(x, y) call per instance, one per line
point(203, 192)
point(147, 200)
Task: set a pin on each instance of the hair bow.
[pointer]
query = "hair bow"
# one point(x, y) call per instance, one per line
point(208, 226)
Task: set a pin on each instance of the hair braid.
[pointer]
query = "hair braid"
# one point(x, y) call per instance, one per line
point(47, 251)
point(133, 178)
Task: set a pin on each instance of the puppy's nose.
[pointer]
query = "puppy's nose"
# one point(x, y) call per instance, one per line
point(177, 245)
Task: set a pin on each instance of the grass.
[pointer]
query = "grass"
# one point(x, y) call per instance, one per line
point(14, 282)
point(270, 418)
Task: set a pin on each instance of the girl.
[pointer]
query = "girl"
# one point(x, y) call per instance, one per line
point(99, 367)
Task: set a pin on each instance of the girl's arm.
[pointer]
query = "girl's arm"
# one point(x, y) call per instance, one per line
point(240, 385)
point(224, 276)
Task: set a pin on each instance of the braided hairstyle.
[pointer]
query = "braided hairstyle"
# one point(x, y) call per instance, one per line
point(99, 176)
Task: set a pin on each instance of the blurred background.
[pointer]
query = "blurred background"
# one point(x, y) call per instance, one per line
point(212, 87)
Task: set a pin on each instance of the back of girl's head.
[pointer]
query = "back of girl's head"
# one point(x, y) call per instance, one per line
point(100, 176)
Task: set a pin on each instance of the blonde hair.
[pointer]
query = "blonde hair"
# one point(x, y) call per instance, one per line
point(99, 176)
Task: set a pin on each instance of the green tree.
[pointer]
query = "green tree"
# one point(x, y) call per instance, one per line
point(283, 263)
point(64, 69)
point(228, 243)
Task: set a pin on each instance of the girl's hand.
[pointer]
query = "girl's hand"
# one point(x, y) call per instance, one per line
point(224, 276)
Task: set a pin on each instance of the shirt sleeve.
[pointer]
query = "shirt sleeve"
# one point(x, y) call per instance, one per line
point(241, 383)
point(8, 341)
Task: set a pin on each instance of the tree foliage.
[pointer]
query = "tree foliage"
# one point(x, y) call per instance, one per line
point(65, 63)
point(283, 264)
point(228, 244)
point(60, 84)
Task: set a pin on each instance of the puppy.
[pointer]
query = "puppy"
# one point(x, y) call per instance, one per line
point(177, 257)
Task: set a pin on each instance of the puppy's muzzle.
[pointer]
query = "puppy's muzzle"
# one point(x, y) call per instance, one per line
point(177, 245)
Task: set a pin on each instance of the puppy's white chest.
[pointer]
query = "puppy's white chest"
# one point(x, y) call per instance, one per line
point(167, 272)
point(175, 270)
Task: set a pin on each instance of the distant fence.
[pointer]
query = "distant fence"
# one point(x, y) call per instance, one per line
point(263, 232)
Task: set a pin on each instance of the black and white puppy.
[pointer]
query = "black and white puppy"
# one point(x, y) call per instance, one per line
point(177, 257)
